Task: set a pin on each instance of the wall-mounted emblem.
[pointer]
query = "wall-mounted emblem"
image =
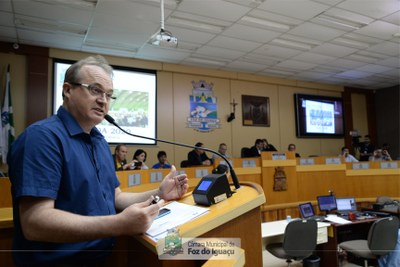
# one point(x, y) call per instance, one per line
point(203, 108)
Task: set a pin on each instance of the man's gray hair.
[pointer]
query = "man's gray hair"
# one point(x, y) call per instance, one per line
point(73, 72)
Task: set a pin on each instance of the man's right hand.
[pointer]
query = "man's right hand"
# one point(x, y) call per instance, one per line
point(138, 217)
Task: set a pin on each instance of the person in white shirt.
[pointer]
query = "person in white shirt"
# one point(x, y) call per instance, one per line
point(347, 156)
point(222, 149)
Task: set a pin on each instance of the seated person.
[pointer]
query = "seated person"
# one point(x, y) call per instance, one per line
point(222, 149)
point(162, 161)
point(119, 156)
point(379, 156)
point(267, 146)
point(366, 149)
point(255, 151)
point(198, 157)
point(139, 159)
point(292, 147)
point(347, 156)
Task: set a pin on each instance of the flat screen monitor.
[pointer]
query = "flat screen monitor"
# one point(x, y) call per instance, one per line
point(346, 204)
point(326, 203)
point(319, 116)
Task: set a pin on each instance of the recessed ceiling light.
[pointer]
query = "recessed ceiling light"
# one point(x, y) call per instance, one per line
point(334, 20)
point(266, 23)
point(290, 44)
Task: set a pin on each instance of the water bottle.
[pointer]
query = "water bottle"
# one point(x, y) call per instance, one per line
point(288, 218)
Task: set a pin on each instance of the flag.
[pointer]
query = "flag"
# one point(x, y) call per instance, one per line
point(7, 121)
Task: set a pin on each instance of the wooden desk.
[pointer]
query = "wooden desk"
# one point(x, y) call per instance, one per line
point(231, 218)
point(5, 192)
point(6, 236)
point(274, 231)
point(337, 233)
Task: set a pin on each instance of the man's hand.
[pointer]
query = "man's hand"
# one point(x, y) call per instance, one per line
point(138, 218)
point(173, 187)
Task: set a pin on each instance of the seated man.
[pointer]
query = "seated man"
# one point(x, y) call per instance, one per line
point(347, 156)
point(379, 156)
point(292, 147)
point(267, 146)
point(222, 149)
point(162, 161)
point(119, 156)
point(255, 151)
point(198, 157)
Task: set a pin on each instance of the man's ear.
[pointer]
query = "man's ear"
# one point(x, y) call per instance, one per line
point(66, 89)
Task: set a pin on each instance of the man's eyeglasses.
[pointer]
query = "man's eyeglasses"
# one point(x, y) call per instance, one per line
point(95, 90)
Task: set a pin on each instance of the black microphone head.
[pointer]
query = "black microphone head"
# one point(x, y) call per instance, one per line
point(109, 119)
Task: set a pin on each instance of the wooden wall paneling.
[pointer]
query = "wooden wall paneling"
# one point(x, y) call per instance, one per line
point(274, 197)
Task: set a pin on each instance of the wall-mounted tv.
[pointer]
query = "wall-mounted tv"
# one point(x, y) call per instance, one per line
point(319, 116)
point(135, 106)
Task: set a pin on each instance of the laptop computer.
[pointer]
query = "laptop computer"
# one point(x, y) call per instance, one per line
point(307, 212)
point(345, 205)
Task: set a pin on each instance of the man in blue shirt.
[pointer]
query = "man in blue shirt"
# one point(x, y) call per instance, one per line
point(65, 191)
point(162, 161)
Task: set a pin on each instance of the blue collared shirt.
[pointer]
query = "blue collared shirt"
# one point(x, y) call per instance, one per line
point(55, 159)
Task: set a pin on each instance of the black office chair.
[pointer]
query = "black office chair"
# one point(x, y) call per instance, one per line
point(299, 241)
point(185, 164)
point(245, 152)
point(382, 239)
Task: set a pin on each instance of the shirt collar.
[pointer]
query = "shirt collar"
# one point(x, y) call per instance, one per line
point(72, 125)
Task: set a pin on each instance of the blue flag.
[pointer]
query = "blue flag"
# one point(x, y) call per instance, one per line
point(7, 121)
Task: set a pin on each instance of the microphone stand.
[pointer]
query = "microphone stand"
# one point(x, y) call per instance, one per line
point(233, 174)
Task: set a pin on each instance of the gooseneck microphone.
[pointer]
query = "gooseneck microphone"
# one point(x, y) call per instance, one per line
point(233, 174)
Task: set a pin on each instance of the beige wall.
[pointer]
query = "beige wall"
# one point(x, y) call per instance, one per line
point(174, 89)
point(18, 76)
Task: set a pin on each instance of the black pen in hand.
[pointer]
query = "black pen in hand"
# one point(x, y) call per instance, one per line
point(155, 200)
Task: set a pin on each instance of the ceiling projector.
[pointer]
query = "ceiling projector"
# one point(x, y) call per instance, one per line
point(166, 39)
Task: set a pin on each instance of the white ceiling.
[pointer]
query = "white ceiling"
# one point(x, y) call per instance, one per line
point(345, 42)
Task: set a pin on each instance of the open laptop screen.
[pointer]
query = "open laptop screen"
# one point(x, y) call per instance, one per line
point(306, 210)
point(326, 203)
point(346, 204)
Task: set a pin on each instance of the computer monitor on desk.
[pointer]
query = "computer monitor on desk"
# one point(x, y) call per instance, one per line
point(346, 205)
point(326, 203)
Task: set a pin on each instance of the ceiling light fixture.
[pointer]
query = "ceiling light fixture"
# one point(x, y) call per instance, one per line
point(187, 23)
point(290, 44)
point(349, 42)
point(299, 39)
point(341, 21)
point(73, 3)
point(164, 37)
point(266, 23)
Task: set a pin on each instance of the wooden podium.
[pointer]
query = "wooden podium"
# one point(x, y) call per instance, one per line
point(237, 217)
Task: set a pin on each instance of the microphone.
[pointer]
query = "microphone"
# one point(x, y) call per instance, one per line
point(233, 174)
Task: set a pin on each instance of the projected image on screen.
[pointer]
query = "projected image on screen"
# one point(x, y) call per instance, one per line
point(135, 106)
point(319, 116)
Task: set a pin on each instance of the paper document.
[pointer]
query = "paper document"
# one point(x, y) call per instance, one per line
point(336, 219)
point(180, 214)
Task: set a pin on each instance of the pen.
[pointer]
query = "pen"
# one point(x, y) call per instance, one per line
point(155, 200)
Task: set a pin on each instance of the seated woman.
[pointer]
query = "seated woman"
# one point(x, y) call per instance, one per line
point(139, 159)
